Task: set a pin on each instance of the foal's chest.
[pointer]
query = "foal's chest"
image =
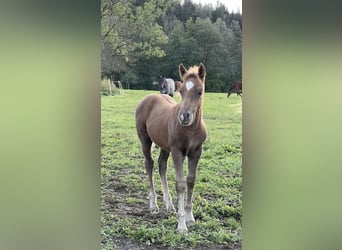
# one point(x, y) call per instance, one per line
point(191, 139)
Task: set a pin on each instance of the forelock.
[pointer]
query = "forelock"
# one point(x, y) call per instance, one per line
point(192, 72)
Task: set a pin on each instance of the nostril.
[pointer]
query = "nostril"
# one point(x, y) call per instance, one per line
point(185, 117)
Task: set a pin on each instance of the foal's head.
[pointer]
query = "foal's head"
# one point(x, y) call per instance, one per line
point(191, 91)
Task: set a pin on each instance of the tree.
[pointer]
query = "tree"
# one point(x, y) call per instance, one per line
point(236, 50)
point(144, 39)
point(185, 11)
point(130, 31)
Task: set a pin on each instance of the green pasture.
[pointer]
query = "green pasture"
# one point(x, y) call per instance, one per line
point(217, 199)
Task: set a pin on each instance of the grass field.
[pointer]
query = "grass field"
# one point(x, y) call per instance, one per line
point(126, 222)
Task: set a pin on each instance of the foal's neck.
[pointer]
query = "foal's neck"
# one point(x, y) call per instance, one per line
point(199, 115)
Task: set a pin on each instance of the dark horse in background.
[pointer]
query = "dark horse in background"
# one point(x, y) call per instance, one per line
point(236, 87)
point(166, 86)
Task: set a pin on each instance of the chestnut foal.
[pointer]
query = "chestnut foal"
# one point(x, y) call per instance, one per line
point(177, 128)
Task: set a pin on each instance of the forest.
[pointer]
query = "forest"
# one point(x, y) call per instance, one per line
point(141, 40)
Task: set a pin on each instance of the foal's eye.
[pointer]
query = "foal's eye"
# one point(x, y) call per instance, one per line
point(199, 93)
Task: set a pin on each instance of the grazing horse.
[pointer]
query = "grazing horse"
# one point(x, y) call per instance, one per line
point(236, 87)
point(166, 86)
point(177, 128)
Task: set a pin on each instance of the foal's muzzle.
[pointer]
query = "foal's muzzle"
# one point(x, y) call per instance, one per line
point(185, 118)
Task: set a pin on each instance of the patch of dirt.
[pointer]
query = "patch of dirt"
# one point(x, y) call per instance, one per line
point(124, 243)
point(114, 202)
point(127, 244)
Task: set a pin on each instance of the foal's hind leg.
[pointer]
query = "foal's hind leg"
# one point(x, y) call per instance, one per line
point(146, 148)
point(162, 160)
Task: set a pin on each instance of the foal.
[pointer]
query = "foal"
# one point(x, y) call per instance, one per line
point(179, 129)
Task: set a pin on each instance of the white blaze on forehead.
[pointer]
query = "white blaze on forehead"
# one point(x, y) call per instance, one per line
point(189, 85)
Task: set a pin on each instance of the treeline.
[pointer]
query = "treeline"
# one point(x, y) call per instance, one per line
point(144, 39)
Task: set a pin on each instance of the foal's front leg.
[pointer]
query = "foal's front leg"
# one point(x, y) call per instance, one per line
point(178, 159)
point(193, 158)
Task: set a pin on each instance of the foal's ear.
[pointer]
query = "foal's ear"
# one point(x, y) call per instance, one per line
point(201, 71)
point(182, 70)
point(178, 85)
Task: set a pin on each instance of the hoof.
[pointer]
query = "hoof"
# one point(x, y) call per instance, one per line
point(182, 229)
point(171, 209)
point(190, 222)
point(154, 210)
point(189, 218)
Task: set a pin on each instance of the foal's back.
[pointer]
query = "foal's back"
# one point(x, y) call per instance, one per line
point(152, 118)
